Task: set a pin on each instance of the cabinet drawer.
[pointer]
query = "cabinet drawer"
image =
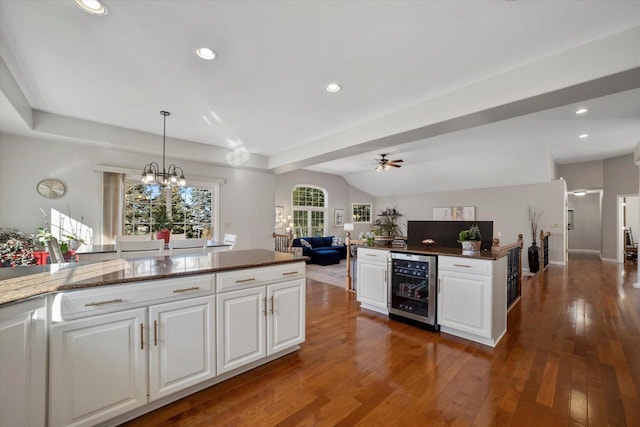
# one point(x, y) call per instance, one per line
point(240, 279)
point(107, 299)
point(465, 265)
point(379, 255)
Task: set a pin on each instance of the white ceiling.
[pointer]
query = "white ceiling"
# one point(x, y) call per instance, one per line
point(265, 90)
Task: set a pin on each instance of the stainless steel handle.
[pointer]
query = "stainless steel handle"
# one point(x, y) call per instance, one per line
point(385, 277)
point(141, 336)
point(461, 265)
point(371, 255)
point(264, 301)
point(193, 288)
point(271, 300)
point(103, 302)
point(289, 273)
point(439, 285)
point(245, 280)
point(155, 333)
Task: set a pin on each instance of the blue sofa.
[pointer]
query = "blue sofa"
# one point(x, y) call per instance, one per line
point(321, 251)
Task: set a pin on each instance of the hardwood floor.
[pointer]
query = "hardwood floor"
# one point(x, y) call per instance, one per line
point(571, 357)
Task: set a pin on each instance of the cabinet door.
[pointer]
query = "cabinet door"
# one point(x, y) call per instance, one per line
point(463, 302)
point(372, 284)
point(286, 324)
point(181, 345)
point(23, 361)
point(98, 368)
point(240, 323)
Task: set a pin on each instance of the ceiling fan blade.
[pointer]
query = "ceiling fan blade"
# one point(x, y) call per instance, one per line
point(396, 161)
point(394, 165)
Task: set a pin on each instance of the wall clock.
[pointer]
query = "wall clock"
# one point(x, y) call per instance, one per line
point(50, 188)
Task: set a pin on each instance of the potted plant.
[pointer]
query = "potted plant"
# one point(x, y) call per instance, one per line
point(162, 224)
point(386, 228)
point(470, 239)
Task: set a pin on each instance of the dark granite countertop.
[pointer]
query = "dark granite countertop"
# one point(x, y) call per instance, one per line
point(446, 251)
point(19, 283)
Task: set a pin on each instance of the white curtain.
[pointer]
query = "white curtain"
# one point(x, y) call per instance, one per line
point(112, 206)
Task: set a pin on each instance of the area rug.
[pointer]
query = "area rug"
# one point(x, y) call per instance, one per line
point(335, 274)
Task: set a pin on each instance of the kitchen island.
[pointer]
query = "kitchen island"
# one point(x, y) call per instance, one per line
point(128, 336)
point(471, 287)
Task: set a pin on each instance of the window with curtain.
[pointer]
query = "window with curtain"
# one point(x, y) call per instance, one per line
point(309, 205)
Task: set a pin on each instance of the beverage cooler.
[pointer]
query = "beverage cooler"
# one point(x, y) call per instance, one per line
point(412, 289)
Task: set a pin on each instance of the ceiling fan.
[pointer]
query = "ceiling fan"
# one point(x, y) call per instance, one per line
point(386, 164)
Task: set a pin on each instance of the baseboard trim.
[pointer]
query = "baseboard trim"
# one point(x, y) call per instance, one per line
point(586, 251)
point(608, 260)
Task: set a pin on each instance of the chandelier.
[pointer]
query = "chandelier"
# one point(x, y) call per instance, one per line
point(167, 177)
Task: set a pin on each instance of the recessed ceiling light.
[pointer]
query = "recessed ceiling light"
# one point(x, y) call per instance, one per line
point(583, 135)
point(579, 193)
point(333, 87)
point(581, 110)
point(93, 7)
point(206, 53)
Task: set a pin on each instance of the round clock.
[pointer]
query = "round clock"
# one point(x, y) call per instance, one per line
point(50, 188)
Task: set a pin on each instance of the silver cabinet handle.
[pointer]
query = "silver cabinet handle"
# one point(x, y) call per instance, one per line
point(112, 301)
point(271, 300)
point(155, 333)
point(371, 255)
point(439, 285)
point(245, 280)
point(289, 273)
point(461, 265)
point(141, 336)
point(264, 301)
point(193, 288)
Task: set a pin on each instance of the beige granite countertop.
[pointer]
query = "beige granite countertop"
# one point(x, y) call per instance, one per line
point(19, 283)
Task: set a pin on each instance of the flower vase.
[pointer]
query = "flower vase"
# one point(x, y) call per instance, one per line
point(533, 253)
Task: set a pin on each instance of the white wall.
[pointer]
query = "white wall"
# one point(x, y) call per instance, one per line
point(586, 234)
point(505, 206)
point(620, 178)
point(246, 200)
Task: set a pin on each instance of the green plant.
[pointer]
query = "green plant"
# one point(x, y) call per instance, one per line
point(386, 225)
point(43, 235)
point(161, 220)
point(473, 233)
point(16, 248)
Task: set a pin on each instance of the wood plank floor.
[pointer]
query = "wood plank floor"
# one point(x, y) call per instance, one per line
point(571, 357)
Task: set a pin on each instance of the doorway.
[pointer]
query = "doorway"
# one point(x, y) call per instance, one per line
point(628, 218)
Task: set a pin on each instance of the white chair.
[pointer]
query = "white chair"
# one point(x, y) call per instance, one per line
point(139, 248)
point(230, 239)
point(133, 238)
point(180, 236)
point(187, 246)
point(55, 253)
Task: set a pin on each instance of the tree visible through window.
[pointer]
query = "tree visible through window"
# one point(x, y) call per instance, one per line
point(309, 211)
point(190, 207)
point(361, 212)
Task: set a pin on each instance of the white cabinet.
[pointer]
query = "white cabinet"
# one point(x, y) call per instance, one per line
point(98, 368)
point(105, 365)
point(372, 274)
point(240, 325)
point(259, 321)
point(472, 298)
point(181, 345)
point(23, 359)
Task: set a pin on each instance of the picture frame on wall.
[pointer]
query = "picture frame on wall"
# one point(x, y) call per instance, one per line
point(338, 217)
point(279, 217)
point(455, 213)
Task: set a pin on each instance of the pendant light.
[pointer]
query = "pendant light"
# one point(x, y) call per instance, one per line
point(167, 177)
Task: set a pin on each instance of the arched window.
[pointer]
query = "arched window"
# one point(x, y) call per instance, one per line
point(309, 205)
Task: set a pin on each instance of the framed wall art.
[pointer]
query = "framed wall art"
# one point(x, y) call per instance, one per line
point(455, 213)
point(338, 217)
